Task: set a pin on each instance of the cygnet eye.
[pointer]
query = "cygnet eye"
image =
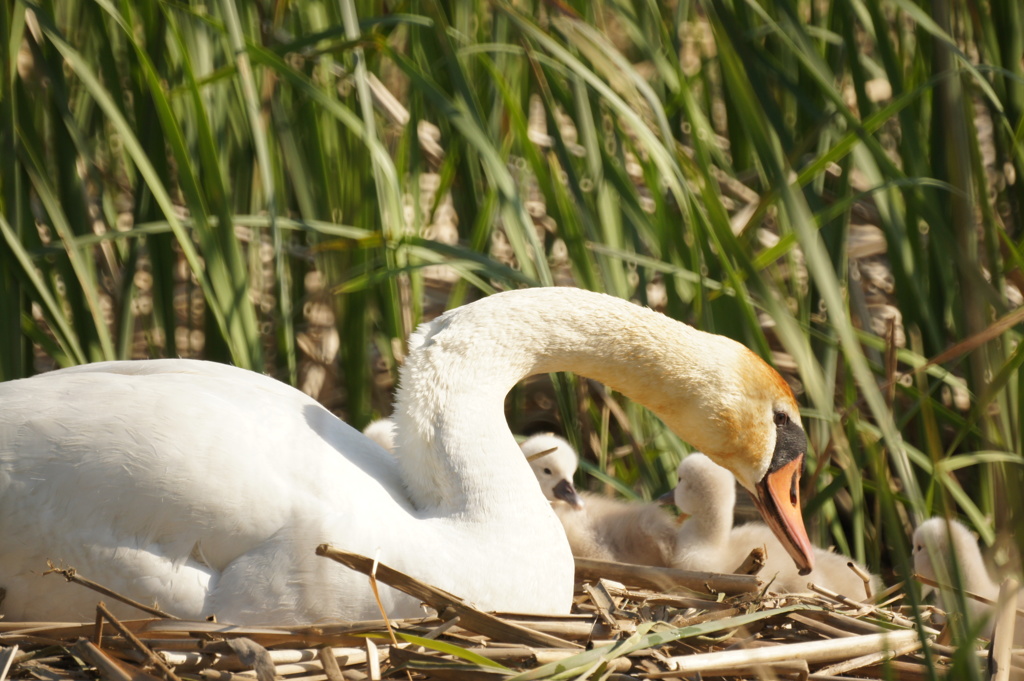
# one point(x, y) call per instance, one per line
point(547, 471)
point(781, 418)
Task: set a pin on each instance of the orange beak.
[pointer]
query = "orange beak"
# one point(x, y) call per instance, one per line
point(777, 497)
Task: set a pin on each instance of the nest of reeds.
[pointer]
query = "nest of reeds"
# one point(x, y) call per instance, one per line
point(628, 622)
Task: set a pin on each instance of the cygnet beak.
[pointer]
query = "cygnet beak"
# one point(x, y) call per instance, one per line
point(567, 493)
point(777, 497)
point(668, 498)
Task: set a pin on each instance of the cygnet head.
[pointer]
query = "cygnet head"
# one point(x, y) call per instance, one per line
point(703, 483)
point(382, 431)
point(554, 462)
point(944, 539)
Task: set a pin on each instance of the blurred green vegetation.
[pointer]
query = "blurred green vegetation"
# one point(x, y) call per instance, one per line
point(291, 187)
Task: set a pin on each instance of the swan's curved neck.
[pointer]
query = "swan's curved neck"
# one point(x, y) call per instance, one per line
point(454, 445)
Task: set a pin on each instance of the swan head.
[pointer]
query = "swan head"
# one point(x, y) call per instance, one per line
point(554, 462)
point(702, 483)
point(743, 415)
point(777, 494)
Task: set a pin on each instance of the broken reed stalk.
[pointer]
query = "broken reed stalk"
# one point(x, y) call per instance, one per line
point(813, 652)
point(470, 618)
point(753, 563)
point(71, 575)
point(666, 578)
point(965, 592)
point(109, 668)
point(7, 655)
point(1002, 635)
point(330, 664)
point(837, 597)
point(151, 657)
point(865, 577)
point(870, 659)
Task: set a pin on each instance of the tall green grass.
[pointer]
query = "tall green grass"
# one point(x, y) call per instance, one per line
point(171, 173)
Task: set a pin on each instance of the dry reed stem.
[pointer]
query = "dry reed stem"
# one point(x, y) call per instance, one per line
point(813, 652)
point(472, 619)
point(753, 563)
point(666, 578)
point(372, 660)
point(766, 646)
point(330, 664)
point(872, 658)
point(149, 655)
point(7, 656)
point(1002, 636)
point(109, 668)
point(965, 592)
point(70, 574)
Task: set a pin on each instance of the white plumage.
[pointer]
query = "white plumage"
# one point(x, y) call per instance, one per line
point(205, 489)
point(381, 431)
point(554, 462)
point(597, 526)
point(944, 548)
point(707, 540)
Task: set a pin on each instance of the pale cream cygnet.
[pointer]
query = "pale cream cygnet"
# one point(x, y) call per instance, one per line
point(708, 542)
point(943, 548)
point(597, 526)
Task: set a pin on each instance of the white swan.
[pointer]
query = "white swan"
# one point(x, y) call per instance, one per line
point(595, 525)
point(707, 540)
point(206, 488)
point(954, 546)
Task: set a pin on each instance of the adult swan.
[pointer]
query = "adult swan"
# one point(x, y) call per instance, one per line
point(205, 488)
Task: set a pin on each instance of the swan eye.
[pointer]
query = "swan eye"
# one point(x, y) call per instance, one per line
point(781, 418)
point(547, 471)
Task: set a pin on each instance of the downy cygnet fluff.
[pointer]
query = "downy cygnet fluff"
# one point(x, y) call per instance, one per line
point(707, 540)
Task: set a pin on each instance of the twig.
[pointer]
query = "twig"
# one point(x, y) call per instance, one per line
point(151, 657)
point(602, 600)
point(965, 592)
point(534, 457)
point(109, 668)
point(471, 618)
point(753, 563)
point(71, 575)
point(838, 597)
point(387, 621)
point(665, 578)
point(865, 577)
